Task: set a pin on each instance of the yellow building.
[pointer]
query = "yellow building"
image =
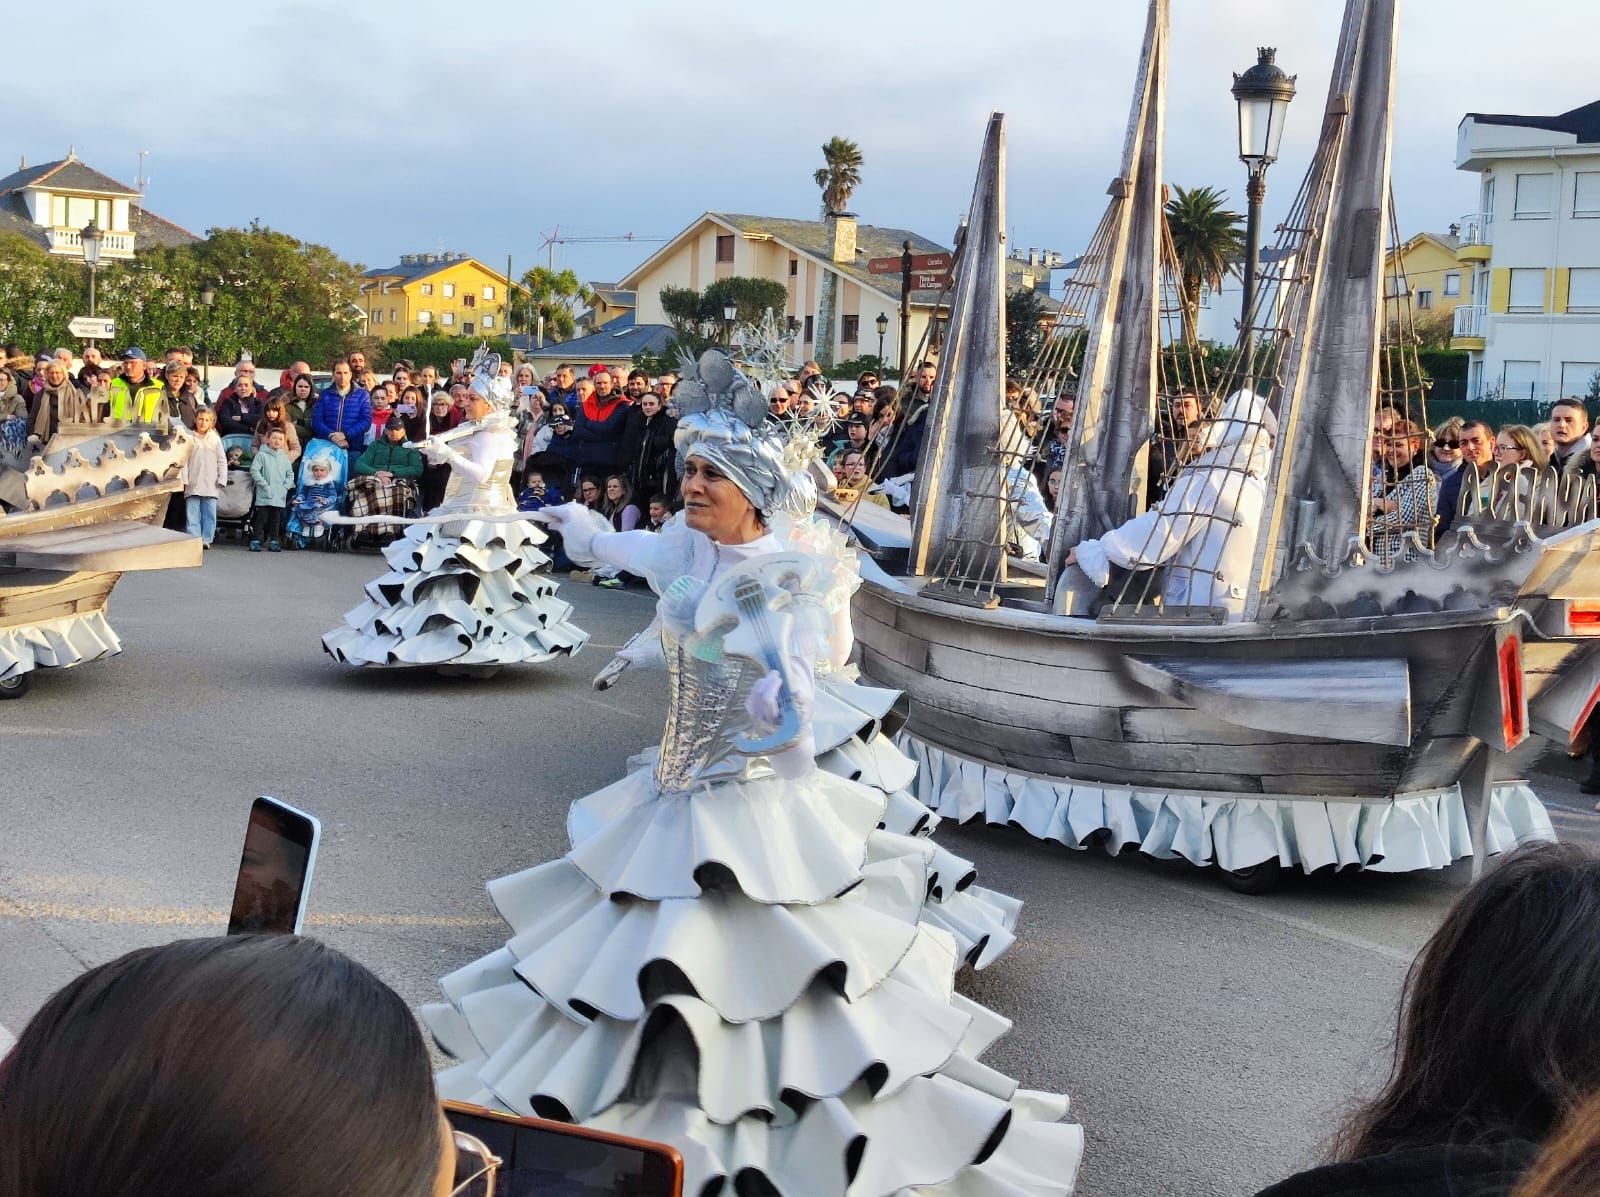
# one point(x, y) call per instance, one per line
point(1437, 280)
point(456, 293)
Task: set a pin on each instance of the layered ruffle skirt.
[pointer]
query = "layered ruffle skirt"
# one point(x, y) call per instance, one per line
point(760, 972)
point(464, 593)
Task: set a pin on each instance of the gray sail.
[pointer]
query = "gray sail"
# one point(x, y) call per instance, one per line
point(1322, 473)
point(1104, 482)
point(957, 512)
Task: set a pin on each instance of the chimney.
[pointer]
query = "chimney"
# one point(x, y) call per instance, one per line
point(841, 236)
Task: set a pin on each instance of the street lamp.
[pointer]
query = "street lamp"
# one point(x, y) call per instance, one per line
point(883, 327)
point(1263, 94)
point(208, 297)
point(730, 313)
point(92, 240)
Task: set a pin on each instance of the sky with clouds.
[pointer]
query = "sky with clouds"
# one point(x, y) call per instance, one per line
point(382, 128)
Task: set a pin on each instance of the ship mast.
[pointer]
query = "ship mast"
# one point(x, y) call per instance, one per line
point(1104, 482)
point(958, 511)
point(1321, 477)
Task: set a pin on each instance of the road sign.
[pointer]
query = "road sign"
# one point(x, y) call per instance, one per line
point(920, 264)
point(929, 282)
point(93, 328)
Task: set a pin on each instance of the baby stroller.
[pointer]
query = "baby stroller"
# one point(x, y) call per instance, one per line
point(238, 498)
point(318, 492)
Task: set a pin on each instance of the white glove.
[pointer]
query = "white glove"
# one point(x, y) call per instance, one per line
point(762, 705)
point(438, 454)
point(578, 525)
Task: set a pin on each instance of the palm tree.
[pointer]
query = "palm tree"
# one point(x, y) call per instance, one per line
point(1209, 243)
point(553, 295)
point(841, 176)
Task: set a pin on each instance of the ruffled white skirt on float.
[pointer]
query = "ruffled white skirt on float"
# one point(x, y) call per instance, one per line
point(463, 593)
point(748, 971)
point(56, 644)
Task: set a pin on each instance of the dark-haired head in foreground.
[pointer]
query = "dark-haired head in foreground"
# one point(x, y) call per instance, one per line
point(252, 1065)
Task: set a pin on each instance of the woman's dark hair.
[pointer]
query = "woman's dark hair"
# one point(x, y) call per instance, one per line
point(1496, 1034)
point(311, 385)
point(614, 508)
point(246, 1066)
point(600, 487)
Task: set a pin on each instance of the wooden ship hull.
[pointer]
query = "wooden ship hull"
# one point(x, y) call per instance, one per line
point(88, 520)
point(1356, 713)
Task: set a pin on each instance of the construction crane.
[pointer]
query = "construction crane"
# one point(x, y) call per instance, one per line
point(554, 238)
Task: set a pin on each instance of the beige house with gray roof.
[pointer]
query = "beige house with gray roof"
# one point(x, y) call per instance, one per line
point(799, 254)
point(50, 203)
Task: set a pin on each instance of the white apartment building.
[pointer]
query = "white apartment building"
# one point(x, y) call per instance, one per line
point(1532, 329)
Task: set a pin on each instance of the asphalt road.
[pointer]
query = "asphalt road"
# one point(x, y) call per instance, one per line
point(1209, 1040)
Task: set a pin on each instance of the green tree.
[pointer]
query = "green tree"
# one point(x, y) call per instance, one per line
point(840, 176)
point(39, 293)
point(1209, 242)
point(697, 317)
point(555, 295)
point(1027, 325)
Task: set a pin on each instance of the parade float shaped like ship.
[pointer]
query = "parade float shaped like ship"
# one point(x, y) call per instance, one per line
point(1368, 709)
point(81, 514)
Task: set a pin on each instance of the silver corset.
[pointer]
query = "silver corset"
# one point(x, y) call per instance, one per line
point(700, 695)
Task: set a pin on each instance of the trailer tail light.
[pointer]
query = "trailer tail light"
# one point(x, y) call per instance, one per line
point(1584, 618)
point(1513, 710)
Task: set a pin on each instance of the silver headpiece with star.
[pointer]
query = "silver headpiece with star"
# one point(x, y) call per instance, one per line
point(723, 420)
point(486, 380)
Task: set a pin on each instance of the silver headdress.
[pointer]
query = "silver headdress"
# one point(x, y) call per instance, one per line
point(724, 421)
point(486, 381)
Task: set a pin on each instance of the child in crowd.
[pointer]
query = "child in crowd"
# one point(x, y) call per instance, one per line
point(204, 475)
point(318, 494)
point(273, 474)
point(537, 493)
point(660, 513)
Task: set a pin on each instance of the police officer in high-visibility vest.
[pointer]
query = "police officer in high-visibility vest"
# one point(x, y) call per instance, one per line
point(135, 397)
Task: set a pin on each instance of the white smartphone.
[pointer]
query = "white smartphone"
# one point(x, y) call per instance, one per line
point(274, 882)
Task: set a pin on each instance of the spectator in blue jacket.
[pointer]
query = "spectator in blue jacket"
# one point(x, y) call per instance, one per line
point(343, 414)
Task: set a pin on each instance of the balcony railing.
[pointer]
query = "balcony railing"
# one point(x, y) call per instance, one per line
point(1476, 229)
point(70, 241)
point(1469, 320)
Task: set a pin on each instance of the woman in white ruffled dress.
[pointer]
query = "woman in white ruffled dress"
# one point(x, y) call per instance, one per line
point(464, 588)
point(733, 956)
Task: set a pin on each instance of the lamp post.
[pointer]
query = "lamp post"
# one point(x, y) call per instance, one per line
point(730, 313)
point(1262, 93)
point(883, 327)
point(208, 297)
point(92, 240)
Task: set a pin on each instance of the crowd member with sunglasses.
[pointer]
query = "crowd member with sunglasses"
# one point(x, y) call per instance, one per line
point(243, 1066)
point(1444, 456)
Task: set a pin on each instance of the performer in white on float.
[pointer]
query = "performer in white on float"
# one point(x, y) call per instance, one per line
point(730, 957)
point(464, 589)
point(1204, 528)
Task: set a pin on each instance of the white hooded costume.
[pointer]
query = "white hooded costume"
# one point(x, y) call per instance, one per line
point(1204, 529)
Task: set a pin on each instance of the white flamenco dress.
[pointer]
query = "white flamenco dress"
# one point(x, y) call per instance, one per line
point(734, 957)
point(464, 587)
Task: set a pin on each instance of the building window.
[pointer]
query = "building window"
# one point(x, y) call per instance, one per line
point(1583, 289)
point(427, 288)
point(725, 247)
point(448, 319)
point(1578, 378)
point(1527, 290)
point(1452, 283)
point(488, 321)
point(1533, 197)
point(488, 293)
point(424, 317)
point(1586, 194)
point(468, 301)
point(810, 329)
point(392, 319)
point(466, 328)
point(1520, 380)
point(849, 330)
point(1424, 300)
point(794, 267)
point(377, 316)
point(449, 290)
